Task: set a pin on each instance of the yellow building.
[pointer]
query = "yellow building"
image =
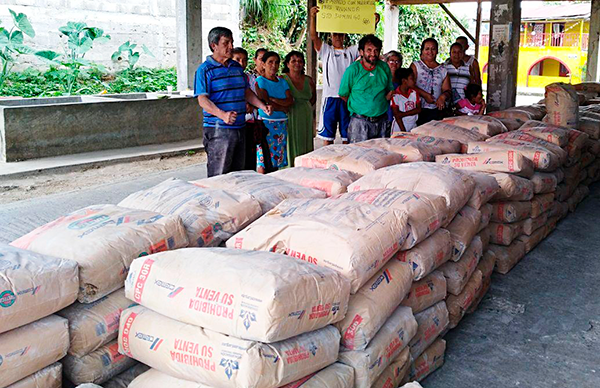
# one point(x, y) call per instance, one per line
point(554, 43)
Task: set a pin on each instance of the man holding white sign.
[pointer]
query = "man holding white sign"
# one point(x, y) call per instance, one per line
point(335, 59)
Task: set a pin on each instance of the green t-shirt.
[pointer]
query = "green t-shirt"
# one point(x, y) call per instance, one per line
point(366, 90)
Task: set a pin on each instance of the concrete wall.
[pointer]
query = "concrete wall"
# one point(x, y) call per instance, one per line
point(149, 22)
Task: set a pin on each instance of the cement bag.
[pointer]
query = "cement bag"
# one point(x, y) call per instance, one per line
point(446, 146)
point(458, 273)
point(513, 188)
point(576, 139)
point(563, 192)
point(544, 182)
point(285, 297)
point(104, 240)
point(533, 239)
point(33, 286)
point(97, 367)
point(409, 150)
point(124, 379)
point(590, 126)
point(370, 307)
point(485, 125)
point(541, 203)
point(220, 361)
point(429, 361)
point(426, 292)
point(486, 216)
point(593, 147)
point(429, 254)
point(459, 304)
point(391, 339)
point(425, 213)
point(511, 124)
point(504, 234)
point(486, 187)
point(562, 105)
point(266, 189)
point(393, 375)
point(359, 160)
point(429, 178)
point(486, 267)
point(496, 161)
point(449, 131)
point(332, 182)
point(353, 238)
point(507, 256)
point(513, 113)
point(462, 230)
point(588, 87)
point(336, 375)
point(549, 228)
point(509, 212)
point(210, 216)
point(27, 349)
point(432, 322)
point(538, 111)
point(587, 158)
point(49, 377)
point(485, 236)
point(92, 325)
point(526, 140)
point(542, 158)
point(550, 133)
point(578, 196)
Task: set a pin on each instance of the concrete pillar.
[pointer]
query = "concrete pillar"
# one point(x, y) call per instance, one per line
point(594, 40)
point(505, 20)
point(189, 41)
point(390, 34)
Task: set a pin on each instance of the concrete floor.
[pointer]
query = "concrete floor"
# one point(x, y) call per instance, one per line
point(539, 326)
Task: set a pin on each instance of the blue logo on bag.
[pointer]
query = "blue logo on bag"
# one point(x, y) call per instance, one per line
point(230, 366)
point(249, 317)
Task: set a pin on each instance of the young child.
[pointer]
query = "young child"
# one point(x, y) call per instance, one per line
point(473, 103)
point(406, 104)
point(276, 92)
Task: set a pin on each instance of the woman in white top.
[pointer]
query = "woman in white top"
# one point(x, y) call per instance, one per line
point(433, 83)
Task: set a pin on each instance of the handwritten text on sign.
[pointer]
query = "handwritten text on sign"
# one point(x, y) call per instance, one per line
point(346, 16)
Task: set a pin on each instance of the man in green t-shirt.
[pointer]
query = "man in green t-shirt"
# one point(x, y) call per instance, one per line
point(367, 89)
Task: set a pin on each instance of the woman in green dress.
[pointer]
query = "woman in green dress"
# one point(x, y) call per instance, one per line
point(300, 123)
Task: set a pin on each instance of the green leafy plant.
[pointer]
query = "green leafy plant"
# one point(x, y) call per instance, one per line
point(11, 42)
point(126, 51)
point(71, 64)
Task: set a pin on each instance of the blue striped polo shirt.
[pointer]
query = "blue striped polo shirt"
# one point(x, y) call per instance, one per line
point(226, 87)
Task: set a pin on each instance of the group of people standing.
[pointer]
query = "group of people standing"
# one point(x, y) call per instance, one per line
point(262, 120)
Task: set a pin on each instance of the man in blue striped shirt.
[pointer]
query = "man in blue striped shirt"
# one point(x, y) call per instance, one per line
point(222, 91)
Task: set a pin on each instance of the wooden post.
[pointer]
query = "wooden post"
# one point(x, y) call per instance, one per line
point(478, 29)
point(311, 54)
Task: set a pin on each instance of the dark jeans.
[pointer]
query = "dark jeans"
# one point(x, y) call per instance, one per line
point(363, 128)
point(225, 150)
point(428, 115)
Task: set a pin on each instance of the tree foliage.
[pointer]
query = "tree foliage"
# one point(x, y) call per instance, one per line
point(281, 25)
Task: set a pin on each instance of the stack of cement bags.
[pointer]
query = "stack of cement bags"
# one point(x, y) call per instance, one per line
point(216, 316)
point(33, 287)
point(357, 237)
point(437, 249)
point(102, 240)
point(268, 190)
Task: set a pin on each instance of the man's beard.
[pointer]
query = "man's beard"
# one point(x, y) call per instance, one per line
point(371, 61)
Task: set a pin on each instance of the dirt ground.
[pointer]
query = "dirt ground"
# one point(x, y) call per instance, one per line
point(75, 178)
